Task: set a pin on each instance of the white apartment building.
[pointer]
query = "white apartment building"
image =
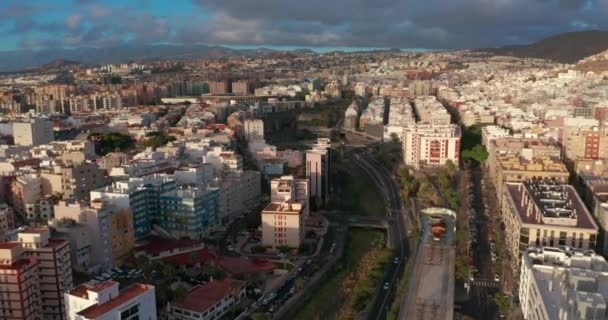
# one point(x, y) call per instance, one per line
point(104, 301)
point(254, 129)
point(33, 132)
point(98, 223)
point(431, 145)
point(283, 225)
point(490, 133)
point(563, 283)
point(287, 188)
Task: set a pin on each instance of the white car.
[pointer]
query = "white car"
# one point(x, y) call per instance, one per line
point(386, 286)
point(496, 278)
point(396, 260)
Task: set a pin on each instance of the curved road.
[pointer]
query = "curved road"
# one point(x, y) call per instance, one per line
point(397, 231)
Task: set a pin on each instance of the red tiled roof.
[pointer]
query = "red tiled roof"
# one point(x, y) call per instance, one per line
point(125, 296)
point(202, 297)
point(8, 245)
point(36, 230)
point(104, 285)
point(239, 266)
point(80, 291)
point(185, 258)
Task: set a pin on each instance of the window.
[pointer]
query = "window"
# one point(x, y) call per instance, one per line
point(130, 314)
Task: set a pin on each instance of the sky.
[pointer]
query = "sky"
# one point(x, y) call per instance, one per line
point(428, 24)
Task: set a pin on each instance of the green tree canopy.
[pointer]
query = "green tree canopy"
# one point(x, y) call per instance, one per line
point(478, 153)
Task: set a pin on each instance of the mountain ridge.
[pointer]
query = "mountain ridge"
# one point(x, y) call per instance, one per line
point(568, 47)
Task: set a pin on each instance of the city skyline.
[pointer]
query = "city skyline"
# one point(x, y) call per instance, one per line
point(318, 25)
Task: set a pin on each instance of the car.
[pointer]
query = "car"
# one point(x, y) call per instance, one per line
point(496, 277)
point(230, 248)
point(396, 260)
point(386, 286)
point(292, 290)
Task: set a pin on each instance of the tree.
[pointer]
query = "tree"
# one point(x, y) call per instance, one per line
point(180, 292)
point(194, 258)
point(503, 302)
point(284, 249)
point(444, 181)
point(300, 283)
point(478, 153)
point(394, 137)
point(168, 270)
point(159, 140)
point(260, 316)
point(450, 167)
point(462, 268)
point(143, 263)
point(258, 249)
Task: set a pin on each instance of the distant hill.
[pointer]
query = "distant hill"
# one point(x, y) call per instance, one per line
point(27, 59)
point(597, 63)
point(58, 63)
point(565, 47)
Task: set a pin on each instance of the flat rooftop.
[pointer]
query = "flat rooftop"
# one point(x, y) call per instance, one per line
point(559, 204)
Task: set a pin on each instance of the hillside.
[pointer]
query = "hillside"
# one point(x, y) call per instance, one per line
point(565, 47)
point(597, 63)
point(27, 59)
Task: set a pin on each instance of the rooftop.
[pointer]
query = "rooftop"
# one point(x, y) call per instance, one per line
point(553, 204)
point(564, 273)
point(515, 162)
point(294, 208)
point(125, 296)
point(202, 297)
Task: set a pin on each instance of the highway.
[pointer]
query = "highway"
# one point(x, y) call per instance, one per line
point(397, 231)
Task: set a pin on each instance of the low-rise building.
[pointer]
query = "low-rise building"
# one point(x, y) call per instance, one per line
point(563, 283)
point(209, 301)
point(104, 301)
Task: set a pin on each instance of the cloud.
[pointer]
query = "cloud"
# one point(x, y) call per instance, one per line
point(433, 24)
point(396, 23)
point(72, 21)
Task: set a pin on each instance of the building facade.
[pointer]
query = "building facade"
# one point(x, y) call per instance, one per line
point(318, 169)
point(19, 283)
point(104, 301)
point(54, 269)
point(431, 146)
point(562, 283)
point(288, 188)
point(34, 132)
point(282, 225)
point(545, 213)
point(190, 212)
